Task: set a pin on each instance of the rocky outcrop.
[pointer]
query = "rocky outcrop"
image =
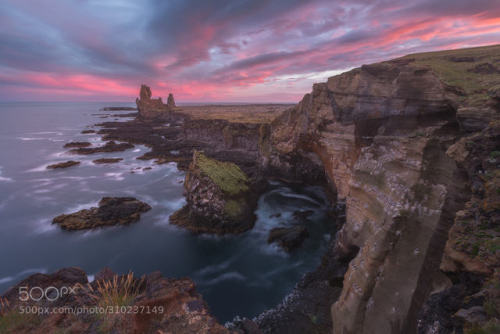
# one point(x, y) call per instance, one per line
point(111, 304)
point(118, 108)
point(65, 164)
point(288, 238)
point(107, 160)
point(110, 146)
point(150, 108)
point(111, 211)
point(77, 144)
point(218, 198)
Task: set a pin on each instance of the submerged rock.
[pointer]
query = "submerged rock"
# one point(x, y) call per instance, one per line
point(163, 305)
point(77, 144)
point(110, 146)
point(107, 160)
point(288, 238)
point(218, 197)
point(65, 164)
point(111, 211)
point(87, 131)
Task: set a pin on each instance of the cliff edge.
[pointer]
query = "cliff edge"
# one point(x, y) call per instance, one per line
point(384, 134)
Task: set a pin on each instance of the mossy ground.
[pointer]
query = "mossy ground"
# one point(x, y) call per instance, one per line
point(249, 113)
point(466, 69)
point(226, 175)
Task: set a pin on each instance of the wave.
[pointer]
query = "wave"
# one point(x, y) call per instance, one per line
point(3, 178)
point(17, 276)
point(231, 276)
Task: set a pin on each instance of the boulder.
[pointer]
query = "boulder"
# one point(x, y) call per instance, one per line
point(288, 238)
point(111, 211)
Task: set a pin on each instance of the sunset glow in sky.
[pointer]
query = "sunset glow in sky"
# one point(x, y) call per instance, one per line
point(221, 50)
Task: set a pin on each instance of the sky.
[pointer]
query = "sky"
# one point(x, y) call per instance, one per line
point(217, 50)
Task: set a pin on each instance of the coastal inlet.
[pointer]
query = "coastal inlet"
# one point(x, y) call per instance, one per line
point(236, 274)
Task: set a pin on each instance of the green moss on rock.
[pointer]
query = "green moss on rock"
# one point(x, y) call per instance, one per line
point(234, 208)
point(226, 175)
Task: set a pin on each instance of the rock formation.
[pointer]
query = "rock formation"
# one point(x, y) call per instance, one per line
point(110, 146)
point(218, 197)
point(150, 108)
point(107, 160)
point(384, 135)
point(65, 164)
point(156, 305)
point(77, 144)
point(111, 211)
point(288, 238)
point(171, 101)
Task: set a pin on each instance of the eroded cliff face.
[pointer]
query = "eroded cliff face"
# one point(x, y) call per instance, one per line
point(381, 133)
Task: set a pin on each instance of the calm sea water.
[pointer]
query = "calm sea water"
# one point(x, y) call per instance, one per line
point(237, 275)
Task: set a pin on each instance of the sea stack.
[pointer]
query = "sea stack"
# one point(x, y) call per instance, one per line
point(150, 108)
point(171, 101)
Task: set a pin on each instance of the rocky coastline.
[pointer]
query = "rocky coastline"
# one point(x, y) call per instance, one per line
point(409, 152)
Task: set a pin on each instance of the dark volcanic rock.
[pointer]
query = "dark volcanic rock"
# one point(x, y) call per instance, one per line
point(107, 160)
point(65, 164)
point(219, 198)
point(87, 131)
point(77, 144)
point(151, 108)
point(288, 238)
point(117, 108)
point(302, 215)
point(111, 211)
point(110, 146)
point(171, 101)
point(171, 305)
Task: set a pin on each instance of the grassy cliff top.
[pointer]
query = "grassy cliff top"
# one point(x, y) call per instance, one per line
point(473, 70)
point(245, 113)
point(226, 175)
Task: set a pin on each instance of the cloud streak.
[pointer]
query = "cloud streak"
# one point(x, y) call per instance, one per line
point(221, 50)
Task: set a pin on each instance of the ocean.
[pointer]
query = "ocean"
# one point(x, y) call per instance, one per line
point(237, 275)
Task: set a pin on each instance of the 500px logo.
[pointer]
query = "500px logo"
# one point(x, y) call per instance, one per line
point(50, 293)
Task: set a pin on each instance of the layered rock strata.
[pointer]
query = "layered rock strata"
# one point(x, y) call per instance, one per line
point(382, 133)
point(219, 198)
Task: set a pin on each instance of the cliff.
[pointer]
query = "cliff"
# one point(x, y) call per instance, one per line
point(383, 134)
